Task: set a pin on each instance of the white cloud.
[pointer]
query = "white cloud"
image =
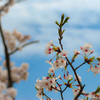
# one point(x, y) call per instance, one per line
point(26, 15)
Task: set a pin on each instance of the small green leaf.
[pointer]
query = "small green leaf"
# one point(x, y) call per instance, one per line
point(66, 20)
point(49, 75)
point(62, 18)
point(98, 90)
point(57, 23)
point(36, 88)
point(63, 31)
point(70, 80)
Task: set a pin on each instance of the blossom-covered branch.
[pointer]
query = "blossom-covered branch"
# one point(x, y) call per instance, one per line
point(56, 83)
point(12, 42)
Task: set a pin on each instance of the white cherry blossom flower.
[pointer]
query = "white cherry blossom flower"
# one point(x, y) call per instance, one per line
point(51, 70)
point(48, 51)
point(63, 53)
point(68, 77)
point(49, 44)
point(39, 94)
point(96, 70)
point(12, 92)
point(86, 48)
point(61, 62)
point(76, 51)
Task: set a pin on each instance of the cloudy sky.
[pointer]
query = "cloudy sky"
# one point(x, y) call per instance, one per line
point(36, 18)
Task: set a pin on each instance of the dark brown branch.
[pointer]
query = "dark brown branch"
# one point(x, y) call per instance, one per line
point(46, 95)
point(62, 95)
point(80, 65)
point(24, 45)
point(60, 43)
point(65, 88)
point(80, 92)
point(74, 72)
point(10, 83)
point(55, 88)
point(61, 92)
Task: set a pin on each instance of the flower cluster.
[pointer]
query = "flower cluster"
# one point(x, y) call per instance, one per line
point(50, 82)
point(47, 83)
point(62, 62)
point(7, 93)
point(15, 39)
point(17, 74)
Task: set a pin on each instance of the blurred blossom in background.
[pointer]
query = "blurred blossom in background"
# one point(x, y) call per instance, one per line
point(36, 18)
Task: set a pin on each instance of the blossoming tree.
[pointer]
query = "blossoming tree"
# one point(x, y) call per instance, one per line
point(65, 80)
point(12, 42)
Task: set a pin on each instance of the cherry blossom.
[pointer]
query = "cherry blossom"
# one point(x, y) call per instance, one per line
point(86, 48)
point(68, 77)
point(63, 53)
point(96, 70)
point(61, 62)
point(51, 70)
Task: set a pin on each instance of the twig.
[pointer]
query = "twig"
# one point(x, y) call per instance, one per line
point(74, 72)
point(61, 92)
point(23, 46)
point(55, 88)
point(70, 63)
point(80, 65)
point(10, 83)
point(80, 92)
point(65, 88)
point(46, 95)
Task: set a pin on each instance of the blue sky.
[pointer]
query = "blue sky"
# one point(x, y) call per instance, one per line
point(37, 17)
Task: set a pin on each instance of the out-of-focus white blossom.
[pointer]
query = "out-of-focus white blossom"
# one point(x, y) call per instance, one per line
point(12, 92)
point(2, 86)
point(11, 64)
point(14, 39)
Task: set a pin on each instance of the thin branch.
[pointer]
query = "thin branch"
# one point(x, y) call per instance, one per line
point(46, 95)
point(4, 6)
point(80, 92)
point(60, 36)
point(74, 72)
point(55, 88)
point(24, 45)
point(80, 65)
point(60, 90)
point(70, 63)
point(62, 95)
point(60, 43)
point(65, 88)
point(10, 83)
